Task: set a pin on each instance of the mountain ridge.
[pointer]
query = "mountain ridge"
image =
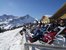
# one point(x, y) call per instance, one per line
point(12, 21)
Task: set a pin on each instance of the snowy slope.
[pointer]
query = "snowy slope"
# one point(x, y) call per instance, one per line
point(11, 40)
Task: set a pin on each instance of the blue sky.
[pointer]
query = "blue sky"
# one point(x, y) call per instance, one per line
point(35, 8)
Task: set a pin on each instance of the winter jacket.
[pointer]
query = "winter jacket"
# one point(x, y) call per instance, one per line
point(44, 28)
point(49, 37)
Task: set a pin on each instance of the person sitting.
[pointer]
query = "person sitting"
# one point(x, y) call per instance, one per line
point(49, 37)
point(37, 34)
point(44, 28)
point(61, 23)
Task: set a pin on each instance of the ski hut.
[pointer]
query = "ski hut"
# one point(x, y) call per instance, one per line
point(60, 14)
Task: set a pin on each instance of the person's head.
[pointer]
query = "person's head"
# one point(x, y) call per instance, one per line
point(40, 24)
point(55, 21)
point(60, 20)
point(21, 32)
point(56, 30)
point(24, 29)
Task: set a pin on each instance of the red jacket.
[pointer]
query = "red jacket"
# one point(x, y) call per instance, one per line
point(48, 38)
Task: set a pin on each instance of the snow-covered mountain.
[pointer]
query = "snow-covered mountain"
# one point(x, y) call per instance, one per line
point(6, 17)
point(22, 20)
point(9, 21)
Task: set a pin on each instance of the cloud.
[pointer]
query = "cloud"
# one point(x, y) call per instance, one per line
point(48, 15)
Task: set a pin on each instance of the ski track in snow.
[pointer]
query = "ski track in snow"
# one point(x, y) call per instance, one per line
point(11, 40)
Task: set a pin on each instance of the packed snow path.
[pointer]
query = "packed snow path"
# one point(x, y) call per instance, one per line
point(11, 40)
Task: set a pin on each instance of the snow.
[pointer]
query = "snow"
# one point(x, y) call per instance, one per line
point(11, 40)
point(5, 22)
point(7, 27)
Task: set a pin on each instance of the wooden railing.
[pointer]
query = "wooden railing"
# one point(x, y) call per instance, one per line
point(43, 47)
